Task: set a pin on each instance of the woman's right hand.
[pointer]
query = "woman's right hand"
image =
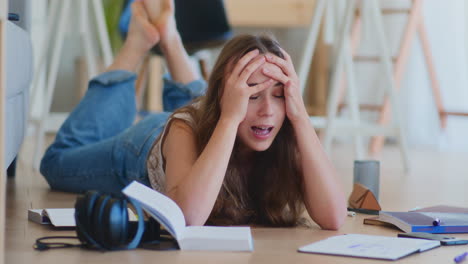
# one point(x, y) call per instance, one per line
point(237, 92)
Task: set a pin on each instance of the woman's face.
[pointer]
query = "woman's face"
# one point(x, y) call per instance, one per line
point(265, 112)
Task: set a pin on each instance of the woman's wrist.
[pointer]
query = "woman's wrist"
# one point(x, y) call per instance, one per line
point(300, 119)
point(228, 122)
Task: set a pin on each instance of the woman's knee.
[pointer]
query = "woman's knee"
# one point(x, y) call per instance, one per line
point(49, 167)
point(46, 162)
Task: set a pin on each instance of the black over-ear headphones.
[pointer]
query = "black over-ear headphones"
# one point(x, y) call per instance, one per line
point(102, 223)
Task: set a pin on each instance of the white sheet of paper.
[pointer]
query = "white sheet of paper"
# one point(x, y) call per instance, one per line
point(367, 246)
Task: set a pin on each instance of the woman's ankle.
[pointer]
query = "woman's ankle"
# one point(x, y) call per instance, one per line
point(127, 59)
point(172, 43)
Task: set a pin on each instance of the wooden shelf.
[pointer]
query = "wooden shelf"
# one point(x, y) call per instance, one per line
point(270, 13)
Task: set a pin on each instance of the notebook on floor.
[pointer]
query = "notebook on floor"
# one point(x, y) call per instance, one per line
point(368, 246)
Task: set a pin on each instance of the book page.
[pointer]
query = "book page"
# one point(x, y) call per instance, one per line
point(367, 246)
point(449, 219)
point(217, 238)
point(61, 217)
point(159, 206)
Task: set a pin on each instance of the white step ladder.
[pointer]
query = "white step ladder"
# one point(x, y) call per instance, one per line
point(60, 13)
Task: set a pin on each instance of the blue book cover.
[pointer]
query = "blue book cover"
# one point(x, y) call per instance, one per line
point(446, 223)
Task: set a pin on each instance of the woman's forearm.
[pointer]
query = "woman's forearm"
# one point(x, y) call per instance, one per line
point(324, 198)
point(198, 192)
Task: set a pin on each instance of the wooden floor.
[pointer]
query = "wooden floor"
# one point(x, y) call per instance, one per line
point(435, 178)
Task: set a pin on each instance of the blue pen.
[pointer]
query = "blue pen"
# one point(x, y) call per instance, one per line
point(460, 257)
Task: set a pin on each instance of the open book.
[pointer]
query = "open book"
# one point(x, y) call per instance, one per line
point(367, 246)
point(58, 217)
point(169, 215)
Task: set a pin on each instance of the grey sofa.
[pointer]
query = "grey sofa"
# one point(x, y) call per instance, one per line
point(19, 72)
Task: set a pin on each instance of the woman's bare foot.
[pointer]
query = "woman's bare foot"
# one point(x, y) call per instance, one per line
point(142, 36)
point(161, 15)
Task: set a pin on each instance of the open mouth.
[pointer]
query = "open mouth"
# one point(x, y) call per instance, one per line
point(262, 130)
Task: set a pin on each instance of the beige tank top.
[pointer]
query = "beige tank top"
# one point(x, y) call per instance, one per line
point(156, 163)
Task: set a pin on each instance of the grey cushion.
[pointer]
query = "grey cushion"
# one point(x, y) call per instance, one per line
point(19, 71)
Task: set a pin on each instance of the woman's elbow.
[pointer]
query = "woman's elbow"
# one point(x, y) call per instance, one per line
point(195, 220)
point(334, 222)
point(332, 225)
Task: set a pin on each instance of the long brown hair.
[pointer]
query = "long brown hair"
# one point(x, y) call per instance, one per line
point(270, 193)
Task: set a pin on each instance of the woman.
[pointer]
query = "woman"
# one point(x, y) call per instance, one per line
point(244, 153)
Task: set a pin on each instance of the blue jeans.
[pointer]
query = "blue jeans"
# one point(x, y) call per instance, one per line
point(98, 147)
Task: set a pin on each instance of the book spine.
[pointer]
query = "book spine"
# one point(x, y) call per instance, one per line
point(440, 229)
point(426, 229)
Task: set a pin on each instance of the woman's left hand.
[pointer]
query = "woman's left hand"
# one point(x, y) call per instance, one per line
point(295, 108)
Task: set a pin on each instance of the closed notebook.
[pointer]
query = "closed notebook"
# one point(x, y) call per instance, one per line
point(424, 221)
point(376, 220)
point(368, 246)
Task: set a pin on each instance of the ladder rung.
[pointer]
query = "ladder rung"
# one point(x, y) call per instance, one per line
point(365, 128)
point(373, 107)
point(367, 107)
point(370, 58)
point(390, 11)
point(454, 113)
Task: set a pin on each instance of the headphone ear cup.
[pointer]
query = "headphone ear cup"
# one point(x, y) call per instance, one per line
point(97, 223)
point(116, 221)
point(125, 222)
point(83, 210)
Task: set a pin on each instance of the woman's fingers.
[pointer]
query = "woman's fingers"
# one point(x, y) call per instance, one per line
point(283, 64)
point(251, 68)
point(261, 86)
point(276, 74)
point(240, 65)
point(286, 55)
